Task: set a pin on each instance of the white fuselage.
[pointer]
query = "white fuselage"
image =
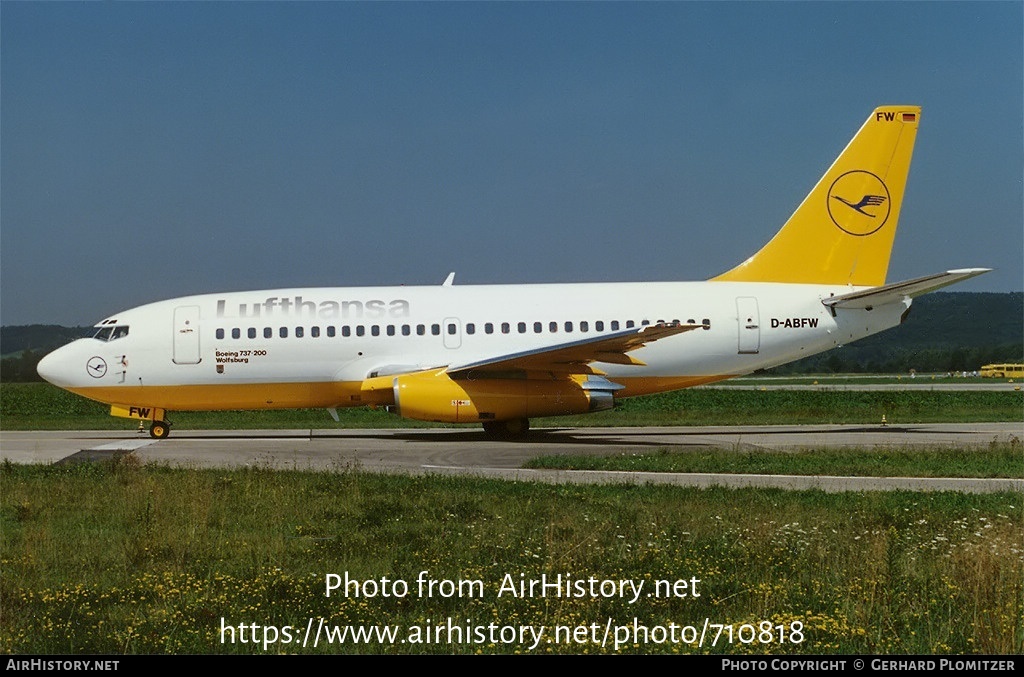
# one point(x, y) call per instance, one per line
point(315, 347)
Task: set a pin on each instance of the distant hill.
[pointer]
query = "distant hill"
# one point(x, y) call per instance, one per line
point(966, 319)
point(39, 338)
point(947, 331)
point(23, 346)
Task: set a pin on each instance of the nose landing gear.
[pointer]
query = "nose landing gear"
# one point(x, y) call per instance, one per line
point(158, 430)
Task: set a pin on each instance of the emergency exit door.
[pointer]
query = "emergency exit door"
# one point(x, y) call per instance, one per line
point(748, 323)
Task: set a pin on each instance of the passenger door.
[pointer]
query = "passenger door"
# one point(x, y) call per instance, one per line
point(186, 335)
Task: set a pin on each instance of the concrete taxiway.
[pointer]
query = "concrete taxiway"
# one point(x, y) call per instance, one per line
point(465, 451)
point(922, 385)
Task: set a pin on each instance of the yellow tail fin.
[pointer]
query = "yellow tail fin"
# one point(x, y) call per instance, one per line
point(842, 232)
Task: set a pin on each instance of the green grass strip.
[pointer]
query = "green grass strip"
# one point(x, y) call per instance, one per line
point(994, 460)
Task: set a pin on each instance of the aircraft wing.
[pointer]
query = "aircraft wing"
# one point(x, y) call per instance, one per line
point(573, 357)
point(576, 356)
point(897, 291)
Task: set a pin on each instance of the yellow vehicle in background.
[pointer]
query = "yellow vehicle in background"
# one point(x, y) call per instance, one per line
point(1002, 371)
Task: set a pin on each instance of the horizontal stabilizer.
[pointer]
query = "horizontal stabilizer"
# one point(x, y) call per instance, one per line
point(897, 291)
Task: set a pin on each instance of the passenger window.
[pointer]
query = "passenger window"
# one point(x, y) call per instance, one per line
point(374, 330)
point(470, 328)
point(251, 333)
point(330, 331)
point(599, 325)
point(236, 333)
point(451, 329)
point(391, 330)
point(489, 328)
point(568, 327)
point(584, 326)
point(615, 325)
point(521, 327)
point(406, 330)
point(538, 327)
point(220, 334)
point(360, 330)
point(505, 327)
point(346, 330)
point(268, 332)
point(630, 324)
point(283, 332)
point(553, 327)
point(299, 332)
point(314, 332)
point(435, 329)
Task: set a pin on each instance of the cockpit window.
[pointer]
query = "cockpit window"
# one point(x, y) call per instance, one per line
point(109, 333)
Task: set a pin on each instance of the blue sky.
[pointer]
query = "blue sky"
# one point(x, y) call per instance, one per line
point(153, 150)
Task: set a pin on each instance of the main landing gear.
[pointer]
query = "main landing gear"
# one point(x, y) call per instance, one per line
point(512, 429)
point(158, 430)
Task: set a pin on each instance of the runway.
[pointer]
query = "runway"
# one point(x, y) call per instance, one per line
point(922, 385)
point(466, 451)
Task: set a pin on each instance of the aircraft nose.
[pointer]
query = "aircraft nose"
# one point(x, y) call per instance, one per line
point(54, 367)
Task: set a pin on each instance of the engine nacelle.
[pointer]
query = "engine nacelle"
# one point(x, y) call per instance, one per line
point(436, 396)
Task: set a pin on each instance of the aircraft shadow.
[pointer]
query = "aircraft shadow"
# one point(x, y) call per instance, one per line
point(562, 436)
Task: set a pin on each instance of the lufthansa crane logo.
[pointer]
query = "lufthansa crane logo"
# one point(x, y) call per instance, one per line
point(858, 202)
point(96, 366)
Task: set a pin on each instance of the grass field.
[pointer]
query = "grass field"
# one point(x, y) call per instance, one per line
point(119, 557)
point(116, 557)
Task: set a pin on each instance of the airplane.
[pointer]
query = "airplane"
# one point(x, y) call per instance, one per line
point(499, 355)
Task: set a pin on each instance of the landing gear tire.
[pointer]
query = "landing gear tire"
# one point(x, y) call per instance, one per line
point(517, 427)
point(158, 430)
